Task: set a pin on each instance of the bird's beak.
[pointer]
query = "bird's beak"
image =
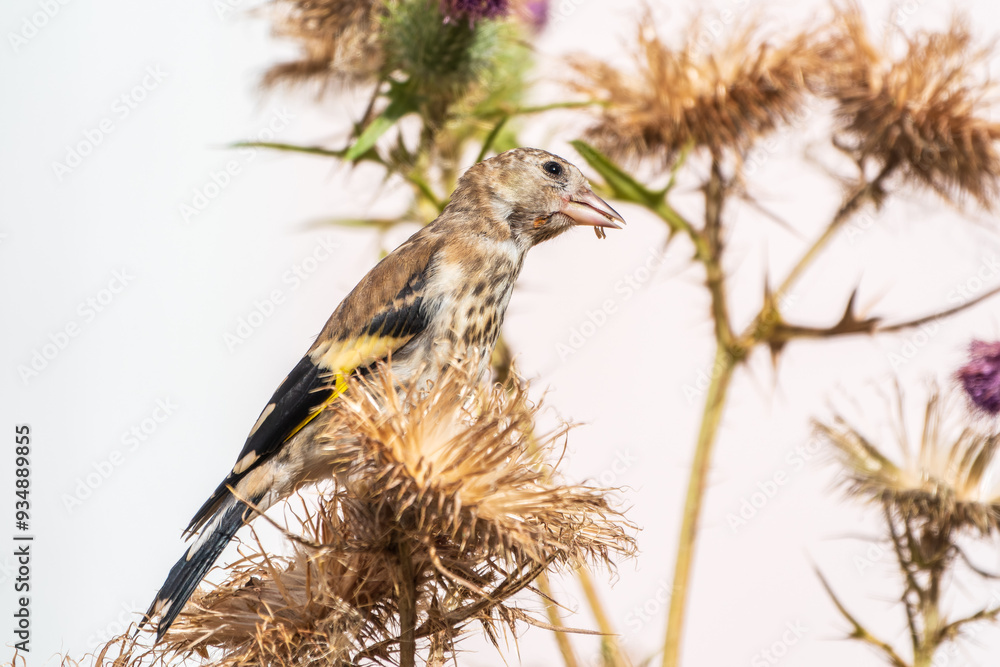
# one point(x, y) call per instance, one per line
point(586, 208)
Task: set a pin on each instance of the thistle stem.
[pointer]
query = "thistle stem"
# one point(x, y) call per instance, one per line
point(715, 400)
point(407, 606)
point(848, 208)
point(552, 612)
point(523, 111)
point(609, 642)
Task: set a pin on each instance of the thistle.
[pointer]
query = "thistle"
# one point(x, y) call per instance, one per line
point(926, 113)
point(445, 509)
point(474, 10)
point(941, 495)
point(339, 41)
point(723, 100)
point(980, 377)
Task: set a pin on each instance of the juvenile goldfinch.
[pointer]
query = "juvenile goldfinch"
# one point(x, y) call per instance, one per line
point(438, 297)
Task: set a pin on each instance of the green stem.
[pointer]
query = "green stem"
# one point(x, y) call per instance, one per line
point(609, 641)
point(491, 137)
point(520, 111)
point(562, 638)
point(708, 245)
point(861, 194)
point(678, 223)
point(722, 373)
point(295, 148)
point(425, 190)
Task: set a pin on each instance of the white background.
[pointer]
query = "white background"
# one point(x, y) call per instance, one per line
point(161, 338)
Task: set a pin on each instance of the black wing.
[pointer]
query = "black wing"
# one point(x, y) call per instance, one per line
point(312, 383)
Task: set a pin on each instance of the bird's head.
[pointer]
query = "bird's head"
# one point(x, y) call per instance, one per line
point(534, 196)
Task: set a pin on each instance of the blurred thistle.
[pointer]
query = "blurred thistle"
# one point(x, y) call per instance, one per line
point(980, 376)
point(456, 67)
point(438, 57)
point(437, 46)
point(919, 117)
point(445, 509)
point(926, 113)
point(339, 39)
point(474, 10)
point(942, 493)
point(458, 70)
point(534, 12)
point(722, 100)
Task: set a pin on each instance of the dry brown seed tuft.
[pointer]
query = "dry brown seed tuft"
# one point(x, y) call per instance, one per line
point(444, 492)
point(926, 113)
point(339, 39)
point(722, 100)
point(945, 484)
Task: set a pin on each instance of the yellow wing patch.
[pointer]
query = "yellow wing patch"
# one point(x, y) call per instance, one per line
point(339, 387)
point(344, 357)
point(340, 358)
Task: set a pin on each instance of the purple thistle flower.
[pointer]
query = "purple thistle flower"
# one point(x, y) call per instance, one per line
point(538, 13)
point(980, 377)
point(475, 10)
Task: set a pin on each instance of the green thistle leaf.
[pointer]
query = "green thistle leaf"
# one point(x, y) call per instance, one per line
point(402, 103)
point(622, 185)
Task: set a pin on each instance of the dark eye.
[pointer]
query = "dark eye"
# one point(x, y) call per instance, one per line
point(553, 168)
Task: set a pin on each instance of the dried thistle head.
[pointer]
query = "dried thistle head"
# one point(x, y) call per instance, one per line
point(980, 377)
point(945, 487)
point(722, 100)
point(441, 47)
point(925, 113)
point(121, 651)
point(464, 462)
point(444, 492)
point(340, 41)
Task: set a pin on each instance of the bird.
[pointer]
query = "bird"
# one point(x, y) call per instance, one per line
point(440, 296)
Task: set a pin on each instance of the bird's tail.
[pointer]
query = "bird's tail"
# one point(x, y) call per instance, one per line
point(188, 572)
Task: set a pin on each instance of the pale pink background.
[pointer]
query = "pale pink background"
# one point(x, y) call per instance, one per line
point(162, 337)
